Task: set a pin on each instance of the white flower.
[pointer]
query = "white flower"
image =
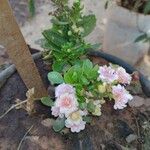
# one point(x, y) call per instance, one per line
point(67, 103)
point(56, 112)
point(64, 88)
point(75, 122)
point(107, 74)
point(121, 96)
point(123, 76)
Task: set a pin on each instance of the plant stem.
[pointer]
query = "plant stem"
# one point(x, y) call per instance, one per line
point(12, 107)
point(19, 146)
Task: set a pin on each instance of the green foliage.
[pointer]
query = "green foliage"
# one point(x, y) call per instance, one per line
point(81, 73)
point(87, 119)
point(55, 78)
point(142, 37)
point(47, 101)
point(31, 5)
point(147, 7)
point(83, 76)
point(88, 23)
point(59, 124)
point(64, 41)
point(91, 107)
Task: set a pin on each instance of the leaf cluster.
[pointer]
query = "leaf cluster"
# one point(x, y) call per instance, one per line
point(64, 42)
point(83, 76)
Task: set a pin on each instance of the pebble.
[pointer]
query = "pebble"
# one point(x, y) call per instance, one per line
point(131, 138)
point(137, 101)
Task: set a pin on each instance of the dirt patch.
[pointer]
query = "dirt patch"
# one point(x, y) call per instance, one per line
point(108, 132)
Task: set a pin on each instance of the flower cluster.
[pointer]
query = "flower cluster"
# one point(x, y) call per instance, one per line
point(111, 81)
point(66, 105)
point(117, 78)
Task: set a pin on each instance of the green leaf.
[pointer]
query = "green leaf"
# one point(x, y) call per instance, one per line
point(87, 65)
point(88, 23)
point(87, 119)
point(47, 101)
point(55, 78)
point(75, 76)
point(57, 22)
point(141, 38)
point(106, 4)
point(31, 5)
point(84, 81)
point(147, 7)
point(68, 76)
point(58, 66)
point(93, 74)
point(54, 37)
point(91, 107)
point(59, 124)
point(82, 106)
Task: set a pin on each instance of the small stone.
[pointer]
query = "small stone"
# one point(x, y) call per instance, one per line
point(147, 102)
point(131, 138)
point(137, 101)
point(47, 122)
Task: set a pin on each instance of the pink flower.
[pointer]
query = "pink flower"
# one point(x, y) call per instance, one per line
point(123, 76)
point(121, 96)
point(64, 88)
point(75, 122)
point(107, 74)
point(56, 112)
point(67, 103)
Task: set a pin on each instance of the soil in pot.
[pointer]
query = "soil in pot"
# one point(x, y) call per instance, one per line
point(111, 131)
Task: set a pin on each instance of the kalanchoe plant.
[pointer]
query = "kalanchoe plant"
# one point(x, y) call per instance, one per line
point(83, 89)
point(64, 42)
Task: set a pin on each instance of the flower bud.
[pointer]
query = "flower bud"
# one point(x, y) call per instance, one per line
point(102, 88)
point(69, 33)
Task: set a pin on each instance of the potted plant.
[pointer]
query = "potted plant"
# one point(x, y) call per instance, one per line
point(88, 94)
point(126, 21)
point(81, 87)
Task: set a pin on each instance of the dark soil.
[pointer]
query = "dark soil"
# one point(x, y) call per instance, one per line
point(107, 132)
point(133, 5)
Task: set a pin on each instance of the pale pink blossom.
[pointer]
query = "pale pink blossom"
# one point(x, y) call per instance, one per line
point(121, 96)
point(64, 88)
point(56, 112)
point(75, 122)
point(67, 103)
point(107, 74)
point(123, 76)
